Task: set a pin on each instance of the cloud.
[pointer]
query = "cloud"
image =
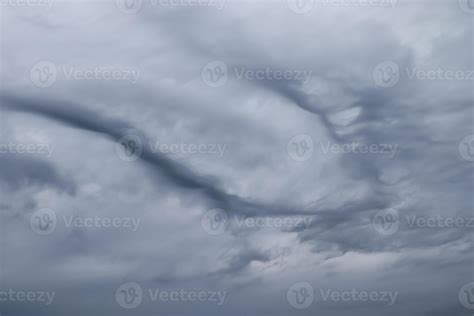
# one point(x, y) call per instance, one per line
point(344, 191)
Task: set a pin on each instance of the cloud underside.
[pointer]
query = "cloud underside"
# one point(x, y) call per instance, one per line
point(256, 177)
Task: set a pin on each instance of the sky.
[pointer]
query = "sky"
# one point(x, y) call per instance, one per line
point(234, 157)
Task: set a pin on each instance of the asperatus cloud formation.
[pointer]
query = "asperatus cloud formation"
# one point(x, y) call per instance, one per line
point(235, 157)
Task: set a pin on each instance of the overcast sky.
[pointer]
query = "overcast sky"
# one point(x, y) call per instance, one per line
point(226, 157)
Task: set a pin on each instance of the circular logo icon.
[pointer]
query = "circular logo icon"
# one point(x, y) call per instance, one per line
point(43, 74)
point(300, 295)
point(466, 148)
point(466, 295)
point(129, 295)
point(129, 148)
point(467, 6)
point(300, 147)
point(43, 222)
point(386, 74)
point(129, 6)
point(386, 222)
point(215, 74)
point(301, 6)
point(215, 221)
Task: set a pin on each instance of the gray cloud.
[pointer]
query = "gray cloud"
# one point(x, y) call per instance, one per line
point(342, 104)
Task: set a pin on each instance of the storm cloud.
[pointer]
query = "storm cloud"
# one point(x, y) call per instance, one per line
point(272, 157)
